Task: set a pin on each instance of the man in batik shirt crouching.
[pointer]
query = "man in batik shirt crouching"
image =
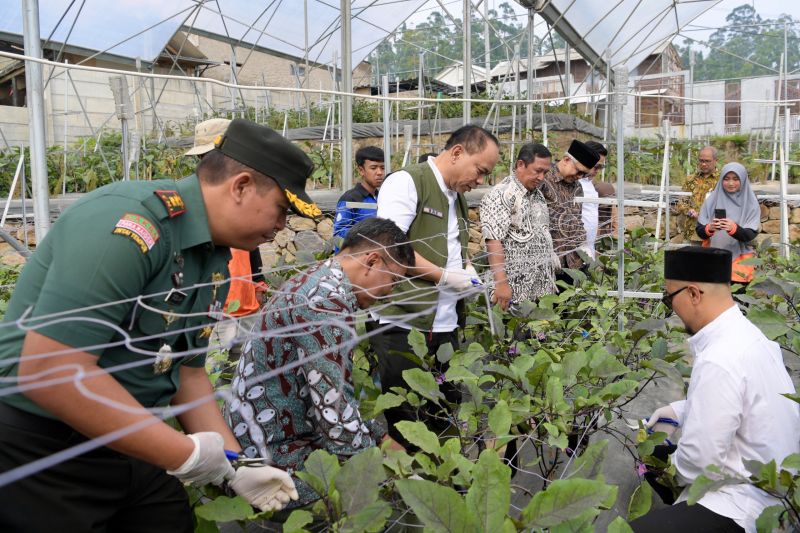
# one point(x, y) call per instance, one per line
point(283, 414)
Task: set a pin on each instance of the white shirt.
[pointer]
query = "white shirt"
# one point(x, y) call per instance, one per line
point(397, 201)
point(734, 412)
point(590, 214)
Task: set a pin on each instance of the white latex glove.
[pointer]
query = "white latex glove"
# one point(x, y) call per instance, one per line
point(472, 272)
point(264, 487)
point(207, 463)
point(662, 412)
point(459, 279)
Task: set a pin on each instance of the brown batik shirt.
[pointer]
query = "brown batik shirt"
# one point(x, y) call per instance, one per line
point(566, 224)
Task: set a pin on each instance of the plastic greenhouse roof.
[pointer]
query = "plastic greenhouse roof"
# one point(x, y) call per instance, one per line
point(629, 30)
point(142, 28)
point(100, 24)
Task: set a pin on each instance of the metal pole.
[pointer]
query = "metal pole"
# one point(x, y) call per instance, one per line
point(397, 112)
point(305, 57)
point(784, 185)
point(691, 94)
point(467, 27)
point(347, 100)
point(420, 104)
point(664, 179)
point(23, 195)
point(785, 67)
point(517, 69)
point(20, 164)
point(621, 88)
point(66, 116)
point(540, 94)
point(777, 118)
point(606, 112)
point(487, 48)
point(235, 81)
point(36, 118)
point(666, 211)
point(568, 74)
point(529, 76)
point(387, 125)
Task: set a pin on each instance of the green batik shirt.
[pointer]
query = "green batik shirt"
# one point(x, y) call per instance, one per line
point(699, 187)
point(116, 276)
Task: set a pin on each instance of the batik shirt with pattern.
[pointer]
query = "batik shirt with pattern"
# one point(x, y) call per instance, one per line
point(312, 406)
point(700, 187)
point(566, 217)
point(520, 220)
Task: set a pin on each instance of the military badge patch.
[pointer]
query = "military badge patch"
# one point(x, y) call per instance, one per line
point(172, 201)
point(137, 228)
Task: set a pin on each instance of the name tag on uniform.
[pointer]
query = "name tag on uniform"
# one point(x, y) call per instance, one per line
point(432, 211)
point(215, 311)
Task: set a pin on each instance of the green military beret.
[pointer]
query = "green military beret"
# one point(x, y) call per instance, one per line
point(265, 150)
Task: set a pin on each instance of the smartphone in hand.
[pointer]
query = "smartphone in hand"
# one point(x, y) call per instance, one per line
point(720, 213)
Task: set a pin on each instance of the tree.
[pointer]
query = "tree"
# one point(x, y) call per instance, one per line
point(748, 45)
point(441, 40)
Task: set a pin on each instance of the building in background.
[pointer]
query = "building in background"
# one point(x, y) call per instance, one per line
point(81, 104)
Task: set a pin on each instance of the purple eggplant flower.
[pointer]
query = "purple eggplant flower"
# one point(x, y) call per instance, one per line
point(440, 379)
point(541, 336)
point(641, 469)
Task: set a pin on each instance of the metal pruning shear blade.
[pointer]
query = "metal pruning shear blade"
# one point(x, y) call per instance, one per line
point(249, 461)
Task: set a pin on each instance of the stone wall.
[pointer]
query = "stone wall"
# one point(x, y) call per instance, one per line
point(304, 234)
point(299, 234)
point(636, 217)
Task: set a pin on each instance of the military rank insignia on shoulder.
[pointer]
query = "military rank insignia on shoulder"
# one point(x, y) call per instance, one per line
point(138, 229)
point(302, 207)
point(172, 201)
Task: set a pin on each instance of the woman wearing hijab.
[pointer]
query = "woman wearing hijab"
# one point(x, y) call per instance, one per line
point(730, 218)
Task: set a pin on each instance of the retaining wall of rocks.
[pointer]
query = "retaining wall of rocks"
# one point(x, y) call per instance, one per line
point(313, 237)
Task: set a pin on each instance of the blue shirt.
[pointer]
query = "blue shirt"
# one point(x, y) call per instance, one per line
point(346, 217)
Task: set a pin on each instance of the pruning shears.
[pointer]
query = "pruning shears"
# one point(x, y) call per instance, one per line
point(238, 460)
point(634, 424)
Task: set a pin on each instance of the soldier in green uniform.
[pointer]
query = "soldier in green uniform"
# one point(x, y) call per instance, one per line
point(699, 184)
point(106, 334)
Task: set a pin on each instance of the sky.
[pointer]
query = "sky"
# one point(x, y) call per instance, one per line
point(102, 23)
point(715, 17)
point(701, 29)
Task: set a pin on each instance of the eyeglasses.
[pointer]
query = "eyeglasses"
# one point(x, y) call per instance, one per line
point(395, 277)
point(581, 173)
point(667, 298)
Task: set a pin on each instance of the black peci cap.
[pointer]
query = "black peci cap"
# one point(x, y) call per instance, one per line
point(583, 154)
point(699, 264)
point(265, 150)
